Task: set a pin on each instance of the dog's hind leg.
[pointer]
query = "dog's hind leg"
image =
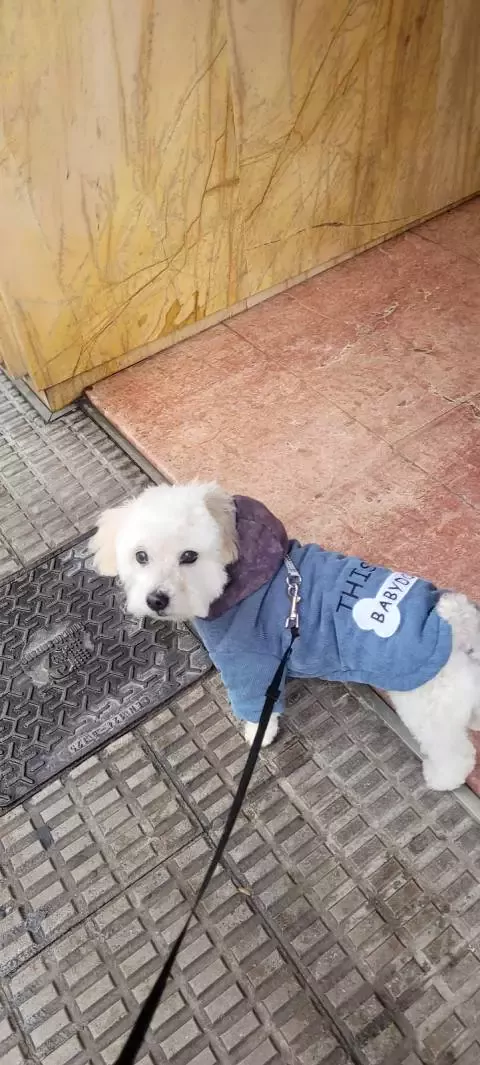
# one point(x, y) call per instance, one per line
point(439, 714)
point(448, 769)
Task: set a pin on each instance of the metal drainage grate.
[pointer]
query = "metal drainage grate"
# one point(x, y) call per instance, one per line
point(75, 671)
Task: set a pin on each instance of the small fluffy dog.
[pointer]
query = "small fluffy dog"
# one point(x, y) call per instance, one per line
point(193, 552)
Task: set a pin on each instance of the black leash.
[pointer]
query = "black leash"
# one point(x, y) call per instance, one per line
point(137, 1035)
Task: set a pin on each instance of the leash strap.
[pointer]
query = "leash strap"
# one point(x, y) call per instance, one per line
point(137, 1035)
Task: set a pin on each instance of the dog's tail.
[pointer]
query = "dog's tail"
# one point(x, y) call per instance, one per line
point(464, 617)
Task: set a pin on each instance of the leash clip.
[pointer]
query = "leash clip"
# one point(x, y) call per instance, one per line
point(294, 581)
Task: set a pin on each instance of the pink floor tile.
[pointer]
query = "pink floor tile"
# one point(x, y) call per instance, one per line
point(390, 487)
point(449, 446)
point(407, 522)
point(372, 287)
point(360, 295)
point(444, 353)
point(323, 525)
point(438, 537)
point(457, 230)
point(147, 390)
point(325, 451)
point(292, 333)
point(373, 380)
point(259, 435)
point(424, 269)
point(465, 482)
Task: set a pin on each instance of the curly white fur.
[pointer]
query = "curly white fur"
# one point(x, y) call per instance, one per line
point(162, 523)
point(440, 713)
point(166, 521)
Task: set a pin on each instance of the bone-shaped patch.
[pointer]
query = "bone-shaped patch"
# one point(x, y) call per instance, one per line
point(381, 614)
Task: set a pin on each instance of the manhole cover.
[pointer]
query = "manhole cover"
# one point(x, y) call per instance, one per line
point(75, 671)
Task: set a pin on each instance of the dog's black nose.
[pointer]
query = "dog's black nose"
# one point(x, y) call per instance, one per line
point(158, 601)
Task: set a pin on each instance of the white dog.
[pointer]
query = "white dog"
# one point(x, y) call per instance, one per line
point(193, 552)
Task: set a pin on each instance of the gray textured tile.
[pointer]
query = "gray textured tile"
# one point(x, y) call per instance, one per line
point(54, 477)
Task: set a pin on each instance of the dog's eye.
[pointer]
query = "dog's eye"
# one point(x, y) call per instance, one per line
point(142, 558)
point(188, 558)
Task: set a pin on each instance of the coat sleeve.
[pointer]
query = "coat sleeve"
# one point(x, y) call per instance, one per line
point(246, 679)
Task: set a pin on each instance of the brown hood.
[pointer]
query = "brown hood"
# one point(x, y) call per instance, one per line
point(262, 546)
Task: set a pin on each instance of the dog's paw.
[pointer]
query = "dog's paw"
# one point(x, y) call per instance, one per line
point(270, 734)
point(447, 776)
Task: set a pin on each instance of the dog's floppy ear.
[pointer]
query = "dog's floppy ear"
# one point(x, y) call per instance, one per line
point(222, 508)
point(103, 543)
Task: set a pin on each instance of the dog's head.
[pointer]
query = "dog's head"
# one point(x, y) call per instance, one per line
point(170, 548)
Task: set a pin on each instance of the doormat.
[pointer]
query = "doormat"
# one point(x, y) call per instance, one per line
point(75, 671)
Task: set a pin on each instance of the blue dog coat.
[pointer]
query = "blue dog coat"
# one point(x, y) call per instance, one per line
point(358, 622)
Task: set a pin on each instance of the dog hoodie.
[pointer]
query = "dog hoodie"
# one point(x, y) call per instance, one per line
point(358, 622)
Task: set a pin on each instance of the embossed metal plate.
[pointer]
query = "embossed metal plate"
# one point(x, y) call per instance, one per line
point(76, 671)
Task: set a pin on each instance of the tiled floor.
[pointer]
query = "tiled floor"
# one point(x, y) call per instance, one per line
point(350, 403)
point(344, 925)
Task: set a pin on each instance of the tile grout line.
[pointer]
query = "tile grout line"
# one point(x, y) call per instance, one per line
point(445, 247)
point(82, 917)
